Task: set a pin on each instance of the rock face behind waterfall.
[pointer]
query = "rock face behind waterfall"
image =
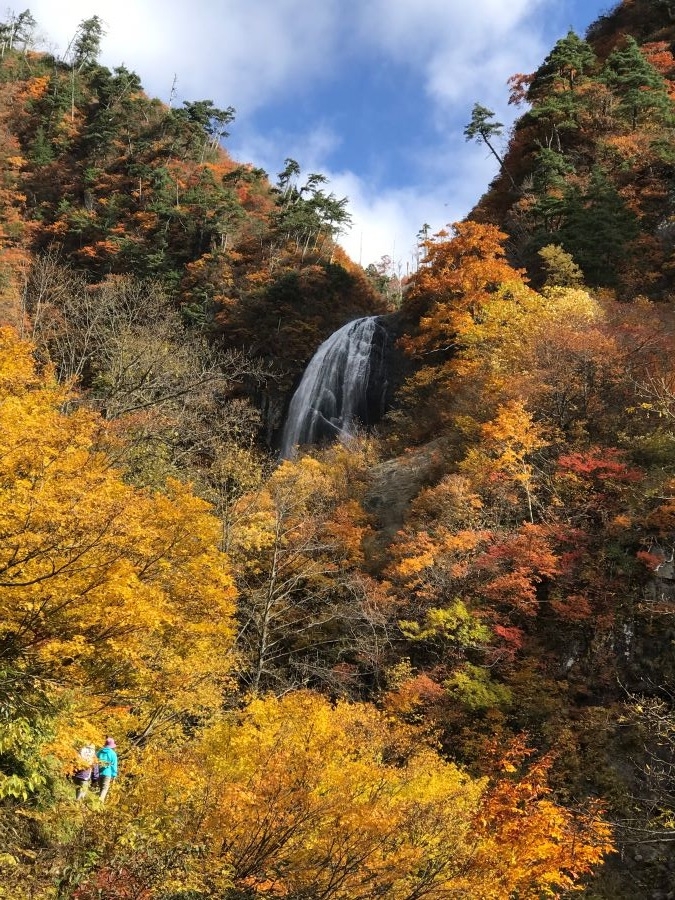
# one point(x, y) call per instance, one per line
point(345, 383)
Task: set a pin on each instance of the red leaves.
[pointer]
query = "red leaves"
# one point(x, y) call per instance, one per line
point(520, 562)
point(512, 636)
point(573, 608)
point(519, 85)
point(600, 463)
point(651, 560)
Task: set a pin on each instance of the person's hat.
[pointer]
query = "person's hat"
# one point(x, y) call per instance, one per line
point(110, 742)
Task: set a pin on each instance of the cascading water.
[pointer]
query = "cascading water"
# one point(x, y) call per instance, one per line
point(344, 383)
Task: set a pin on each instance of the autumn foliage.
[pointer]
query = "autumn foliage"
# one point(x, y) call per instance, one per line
point(431, 662)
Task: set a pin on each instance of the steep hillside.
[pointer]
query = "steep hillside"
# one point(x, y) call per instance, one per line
point(111, 183)
point(541, 330)
point(590, 162)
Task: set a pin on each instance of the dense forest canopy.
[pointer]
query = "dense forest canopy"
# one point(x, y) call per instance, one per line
point(435, 661)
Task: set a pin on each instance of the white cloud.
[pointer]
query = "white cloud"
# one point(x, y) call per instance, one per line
point(387, 221)
point(246, 53)
point(455, 46)
point(249, 52)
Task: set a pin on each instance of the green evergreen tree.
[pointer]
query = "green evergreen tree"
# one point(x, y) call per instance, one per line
point(41, 152)
point(551, 169)
point(86, 45)
point(564, 67)
point(596, 227)
point(554, 96)
point(548, 186)
point(306, 215)
point(641, 89)
point(17, 32)
point(483, 127)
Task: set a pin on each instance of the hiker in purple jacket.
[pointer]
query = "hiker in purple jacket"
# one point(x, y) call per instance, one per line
point(88, 770)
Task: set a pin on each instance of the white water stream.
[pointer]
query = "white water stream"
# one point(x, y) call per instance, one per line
point(338, 386)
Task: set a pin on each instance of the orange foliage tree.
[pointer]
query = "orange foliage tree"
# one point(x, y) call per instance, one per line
point(458, 275)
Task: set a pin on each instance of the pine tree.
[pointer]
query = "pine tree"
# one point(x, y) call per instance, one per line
point(641, 89)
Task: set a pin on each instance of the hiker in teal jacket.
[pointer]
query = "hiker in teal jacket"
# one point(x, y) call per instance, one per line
point(107, 766)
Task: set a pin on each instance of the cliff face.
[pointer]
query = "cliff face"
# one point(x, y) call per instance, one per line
point(397, 481)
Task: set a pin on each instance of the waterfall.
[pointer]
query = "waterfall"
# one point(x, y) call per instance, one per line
point(343, 384)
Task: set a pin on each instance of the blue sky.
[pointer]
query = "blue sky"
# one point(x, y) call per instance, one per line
point(374, 94)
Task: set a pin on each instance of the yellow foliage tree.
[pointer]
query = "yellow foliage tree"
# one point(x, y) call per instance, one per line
point(502, 461)
point(115, 605)
point(297, 797)
point(297, 547)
